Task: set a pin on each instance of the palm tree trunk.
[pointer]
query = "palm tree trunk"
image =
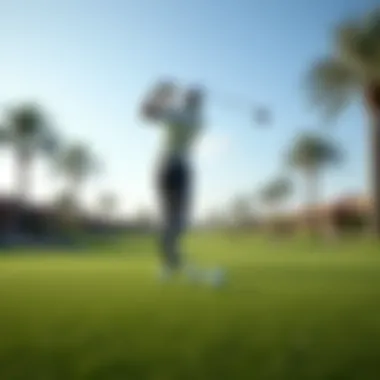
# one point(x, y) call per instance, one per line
point(23, 180)
point(23, 183)
point(375, 174)
point(312, 194)
point(75, 191)
point(372, 97)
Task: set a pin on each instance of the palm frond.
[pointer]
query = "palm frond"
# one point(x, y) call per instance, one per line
point(28, 129)
point(276, 190)
point(331, 86)
point(334, 81)
point(77, 161)
point(313, 151)
point(358, 47)
point(26, 121)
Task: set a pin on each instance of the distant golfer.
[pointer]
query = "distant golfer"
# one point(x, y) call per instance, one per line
point(183, 121)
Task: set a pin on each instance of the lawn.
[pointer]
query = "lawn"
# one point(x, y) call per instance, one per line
point(292, 310)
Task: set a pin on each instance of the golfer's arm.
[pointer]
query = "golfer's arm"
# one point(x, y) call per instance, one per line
point(150, 111)
point(156, 104)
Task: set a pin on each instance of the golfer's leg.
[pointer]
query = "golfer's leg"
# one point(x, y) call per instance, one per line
point(179, 218)
point(174, 200)
point(167, 235)
point(171, 236)
point(170, 233)
point(164, 195)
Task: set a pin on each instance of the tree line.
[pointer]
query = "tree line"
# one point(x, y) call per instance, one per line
point(29, 133)
point(350, 72)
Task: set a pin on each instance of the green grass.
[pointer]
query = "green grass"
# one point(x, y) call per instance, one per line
point(293, 310)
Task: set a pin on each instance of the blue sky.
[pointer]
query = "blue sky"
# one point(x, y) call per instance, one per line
point(89, 62)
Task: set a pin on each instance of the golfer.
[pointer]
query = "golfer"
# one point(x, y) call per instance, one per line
point(182, 122)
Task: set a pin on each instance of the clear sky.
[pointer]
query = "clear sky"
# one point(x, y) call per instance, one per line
point(89, 62)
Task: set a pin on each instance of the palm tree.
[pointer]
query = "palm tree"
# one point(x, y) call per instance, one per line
point(28, 132)
point(76, 163)
point(310, 154)
point(353, 70)
point(276, 191)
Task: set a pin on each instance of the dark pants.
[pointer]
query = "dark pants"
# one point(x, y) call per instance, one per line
point(174, 192)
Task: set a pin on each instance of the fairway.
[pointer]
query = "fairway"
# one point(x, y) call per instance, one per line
point(291, 310)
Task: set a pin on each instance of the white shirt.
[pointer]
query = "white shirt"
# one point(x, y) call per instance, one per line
point(181, 128)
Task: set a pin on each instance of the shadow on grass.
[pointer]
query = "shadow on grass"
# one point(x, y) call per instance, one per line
point(92, 244)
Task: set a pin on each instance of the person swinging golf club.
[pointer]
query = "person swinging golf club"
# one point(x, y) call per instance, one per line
point(183, 123)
